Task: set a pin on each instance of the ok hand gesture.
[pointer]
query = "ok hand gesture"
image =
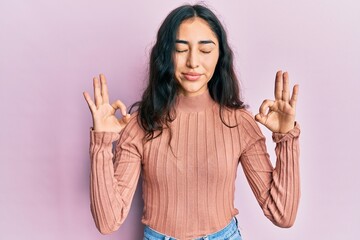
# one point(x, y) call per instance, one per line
point(103, 113)
point(279, 115)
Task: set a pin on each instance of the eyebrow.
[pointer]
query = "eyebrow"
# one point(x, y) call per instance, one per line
point(200, 42)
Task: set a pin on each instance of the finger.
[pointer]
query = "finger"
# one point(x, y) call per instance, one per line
point(285, 91)
point(278, 85)
point(104, 89)
point(90, 103)
point(97, 92)
point(294, 95)
point(260, 119)
point(125, 119)
point(119, 105)
point(265, 106)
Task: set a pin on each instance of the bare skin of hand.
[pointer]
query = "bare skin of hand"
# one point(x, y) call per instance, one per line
point(103, 113)
point(279, 115)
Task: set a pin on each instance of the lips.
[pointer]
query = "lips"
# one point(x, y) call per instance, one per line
point(192, 76)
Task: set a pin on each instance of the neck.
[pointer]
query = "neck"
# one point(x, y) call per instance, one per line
point(196, 103)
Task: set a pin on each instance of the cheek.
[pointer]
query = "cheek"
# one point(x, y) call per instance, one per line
point(210, 64)
point(179, 62)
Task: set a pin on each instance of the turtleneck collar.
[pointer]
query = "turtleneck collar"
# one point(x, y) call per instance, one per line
point(196, 103)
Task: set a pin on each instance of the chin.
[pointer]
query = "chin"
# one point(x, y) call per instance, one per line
point(193, 91)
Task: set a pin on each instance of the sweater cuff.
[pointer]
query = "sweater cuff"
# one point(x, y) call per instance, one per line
point(293, 133)
point(106, 138)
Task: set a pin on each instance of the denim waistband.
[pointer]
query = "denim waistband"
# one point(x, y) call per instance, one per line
point(221, 234)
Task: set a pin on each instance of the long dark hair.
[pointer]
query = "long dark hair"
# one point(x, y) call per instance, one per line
point(155, 108)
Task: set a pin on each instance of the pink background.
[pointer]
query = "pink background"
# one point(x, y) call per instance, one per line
point(50, 50)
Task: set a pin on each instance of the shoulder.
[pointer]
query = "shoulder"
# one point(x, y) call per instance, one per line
point(241, 115)
point(245, 121)
point(133, 128)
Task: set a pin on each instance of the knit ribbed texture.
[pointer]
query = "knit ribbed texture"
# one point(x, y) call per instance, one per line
point(189, 179)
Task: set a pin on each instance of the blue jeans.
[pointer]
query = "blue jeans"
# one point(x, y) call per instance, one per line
point(230, 232)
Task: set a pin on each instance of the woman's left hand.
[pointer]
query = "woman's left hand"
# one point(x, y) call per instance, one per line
point(279, 115)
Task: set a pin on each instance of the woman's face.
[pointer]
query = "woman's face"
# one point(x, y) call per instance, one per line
point(196, 55)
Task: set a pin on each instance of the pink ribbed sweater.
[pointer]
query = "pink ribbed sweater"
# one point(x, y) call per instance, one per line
point(189, 179)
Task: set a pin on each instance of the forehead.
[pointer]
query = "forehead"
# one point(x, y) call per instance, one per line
point(195, 29)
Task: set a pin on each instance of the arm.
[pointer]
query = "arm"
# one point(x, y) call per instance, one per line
point(277, 190)
point(112, 181)
point(112, 185)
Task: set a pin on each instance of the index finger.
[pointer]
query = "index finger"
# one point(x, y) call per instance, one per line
point(104, 89)
point(278, 85)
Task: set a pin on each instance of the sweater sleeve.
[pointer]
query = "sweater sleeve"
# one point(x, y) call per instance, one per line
point(277, 190)
point(114, 177)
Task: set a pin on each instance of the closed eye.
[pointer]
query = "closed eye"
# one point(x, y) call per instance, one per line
point(181, 51)
point(206, 52)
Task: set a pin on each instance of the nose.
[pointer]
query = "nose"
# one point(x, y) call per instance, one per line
point(193, 60)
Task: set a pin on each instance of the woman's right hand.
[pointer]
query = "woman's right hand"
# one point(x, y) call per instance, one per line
point(103, 113)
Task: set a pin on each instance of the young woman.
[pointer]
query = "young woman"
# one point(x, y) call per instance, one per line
point(187, 137)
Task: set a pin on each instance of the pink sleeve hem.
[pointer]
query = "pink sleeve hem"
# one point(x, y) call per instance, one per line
point(293, 133)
